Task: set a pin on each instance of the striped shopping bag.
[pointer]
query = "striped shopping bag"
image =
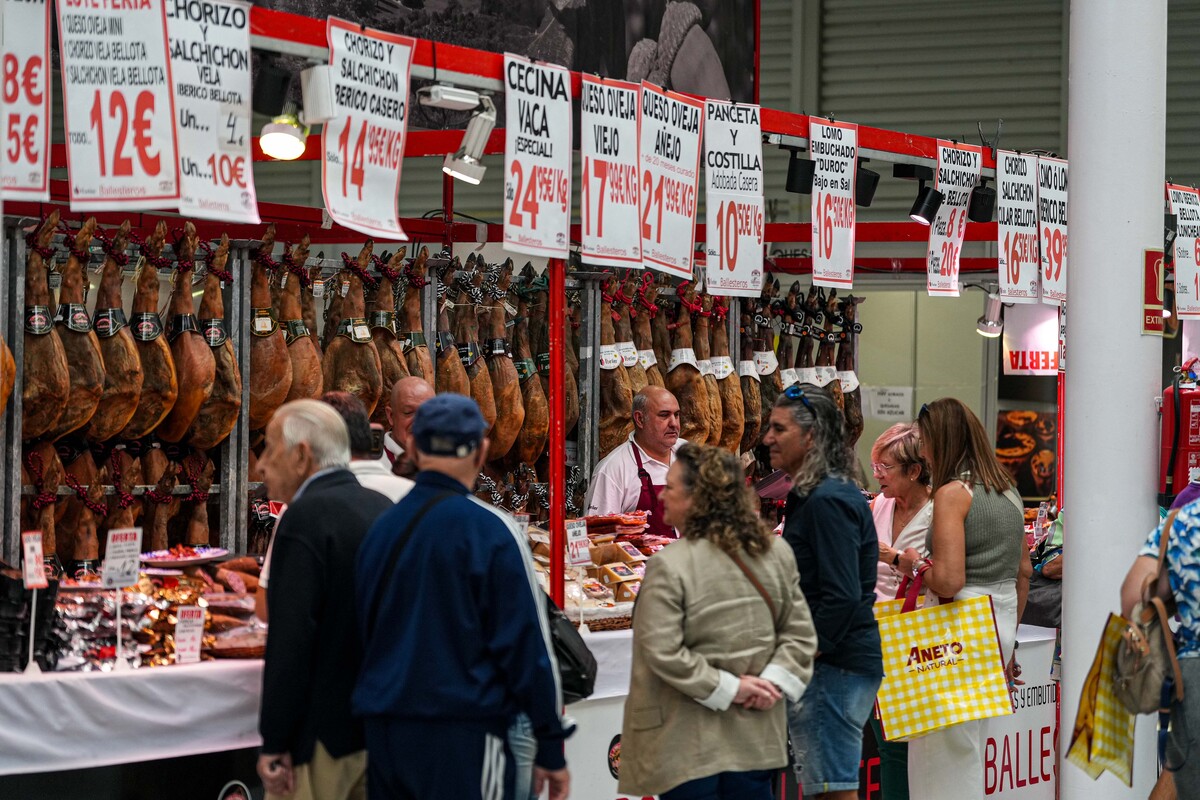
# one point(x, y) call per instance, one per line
point(942, 665)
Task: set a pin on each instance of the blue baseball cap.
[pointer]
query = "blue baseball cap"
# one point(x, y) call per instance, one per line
point(448, 424)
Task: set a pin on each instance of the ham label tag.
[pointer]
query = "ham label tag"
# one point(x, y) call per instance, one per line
point(38, 320)
point(108, 321)
point(722, 367)
point(214, 332)
point(146, 326)
point(263, 321)
point(610, 358)
point(629, 353)
point(747, 369)
point(765, 361)
point(74, 317)
point(683, 355)
point(647, 358)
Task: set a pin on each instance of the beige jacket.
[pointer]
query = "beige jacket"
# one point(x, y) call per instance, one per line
point(699, 625)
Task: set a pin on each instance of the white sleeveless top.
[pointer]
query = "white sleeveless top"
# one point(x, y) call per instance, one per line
point(913, 535)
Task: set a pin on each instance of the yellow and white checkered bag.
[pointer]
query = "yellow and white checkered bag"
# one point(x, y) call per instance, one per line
point(942, 666)
point(1102, 738)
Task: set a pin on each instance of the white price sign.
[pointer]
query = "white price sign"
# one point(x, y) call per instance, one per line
point(1052, 222)
point(834, 148)
point(1184, 203)
point(363, 144)
point(210, 68)
point(578, 554)
point(669, 129)
point(958, 171)
point(122, 557)
point(609, 148)
point(26, 82)
point(31, 564)
point(734, 202)
point(118, 106)
point(189, 634)
point(537, 158)
point(1017, 226)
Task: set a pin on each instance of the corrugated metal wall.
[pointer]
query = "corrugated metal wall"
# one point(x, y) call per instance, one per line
point(1183, 92)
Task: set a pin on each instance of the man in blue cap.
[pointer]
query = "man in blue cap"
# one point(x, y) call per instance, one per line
point(454, 632)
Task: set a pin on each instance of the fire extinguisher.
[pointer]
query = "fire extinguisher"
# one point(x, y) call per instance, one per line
point(1180, 437)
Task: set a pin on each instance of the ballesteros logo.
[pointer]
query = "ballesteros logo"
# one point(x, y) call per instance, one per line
point(924, 659)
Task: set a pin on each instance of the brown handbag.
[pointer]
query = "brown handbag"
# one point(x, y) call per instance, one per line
point(757, 585)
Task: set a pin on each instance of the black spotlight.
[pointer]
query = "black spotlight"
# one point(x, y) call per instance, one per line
point(271, 87)
point(983, 203)
point(912, 172)
point(866, 181)
point(929, 200)
point(800, 174)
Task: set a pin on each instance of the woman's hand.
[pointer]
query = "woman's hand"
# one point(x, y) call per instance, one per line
point(755, 693)
point(1012, 672)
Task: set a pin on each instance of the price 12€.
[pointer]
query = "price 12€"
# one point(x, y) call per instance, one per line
point(121, 119)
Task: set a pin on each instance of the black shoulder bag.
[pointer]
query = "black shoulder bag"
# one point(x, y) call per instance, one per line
point(576, 664)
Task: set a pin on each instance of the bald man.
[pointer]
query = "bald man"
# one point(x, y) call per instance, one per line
point(407, 396)
point(631, 477)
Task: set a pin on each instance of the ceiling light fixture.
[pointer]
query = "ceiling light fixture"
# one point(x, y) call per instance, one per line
point(285, 136)
point(982, 206)
point(928, 201)
point(800, 174)
point(466, 165)
point(452, 98)
point(866, 181)
point(990, 324)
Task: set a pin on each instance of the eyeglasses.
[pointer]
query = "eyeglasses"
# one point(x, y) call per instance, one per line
point(879, 468)
point(794, 392)
point(924, 410)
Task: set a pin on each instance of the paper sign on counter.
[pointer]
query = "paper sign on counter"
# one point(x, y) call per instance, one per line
point(734, 215)
point(610, 202)
point(893, 403)
point(122, 557)
point(26, 100)
point(1017, 227)
point(670, 126)
point(189, 634)
point(834, 147)
point(958, 171)
point(1052, 222)
point(31, 563)
point(578, 554)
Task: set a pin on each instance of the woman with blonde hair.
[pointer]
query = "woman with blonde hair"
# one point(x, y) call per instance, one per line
point(721, 632)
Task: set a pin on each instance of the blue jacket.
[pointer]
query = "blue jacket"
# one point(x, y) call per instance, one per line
point(461, 631)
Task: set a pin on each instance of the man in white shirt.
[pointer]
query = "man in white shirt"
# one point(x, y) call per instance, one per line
point(369, 470)
point(631, 477)
point(407, 396)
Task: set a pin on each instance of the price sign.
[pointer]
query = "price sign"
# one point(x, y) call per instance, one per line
point(669, 129)
point(122, 557)
point(537, 158)
point(364, 143)
point(834, 148)
point(734, 203)
point(118, 106)
point(957, 173)
point(1017, 227)
point(578, 554)
point(1052, 224)
point(1184, 203)
point(26, 94)
point(210, 69)
point(189, 634)
point(609, 149)
point(31, 565)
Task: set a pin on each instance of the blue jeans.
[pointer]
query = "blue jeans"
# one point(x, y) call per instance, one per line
point(523, 746)
point(725, 786)
point(826, 727)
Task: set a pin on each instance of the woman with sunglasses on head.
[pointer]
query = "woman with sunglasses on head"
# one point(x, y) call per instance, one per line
point(976, 548)
point(829, 526)
point(903, 512)
point(721, 632)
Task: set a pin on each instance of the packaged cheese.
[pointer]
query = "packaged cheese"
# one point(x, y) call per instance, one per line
point(611, 574)
point(627, 591)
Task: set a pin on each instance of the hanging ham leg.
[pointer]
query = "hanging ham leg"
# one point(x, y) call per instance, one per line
point(159, 505)
point(451, 374)
point(683, 375)
point(270, 368)
point(219, 412)
point(85, 365)
point(536, 429)
point(729, 386)
point(851, 393)
point(642, 315)
point(660, 332)
point(382, 319)
point(197, 470)
point(616, 395)
point(80, 511)
point(195, 364)
point(765, 358)
point(8, 374)
point(308, 303)
point(702, 344)
point(809, 336)
point(466, 333)
point(751, 394)
point(123, 471)
point(351, 362)
point(160, 387)
point(409, 327)
point(826, 370)
point(47, 380)
point(623, 299)
point(123, 373)
point(307, 380)
point(42, 469)
point(506, 386)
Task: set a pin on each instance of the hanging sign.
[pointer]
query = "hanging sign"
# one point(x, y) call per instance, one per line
point(834, 148)
point(26, 82)
point(1017, 227)
point(537, 158)
point(364, 142)
point(1152, 293)
point(118, 107)
point(958, 171)
point(669, 129)
point(1062, 338)
point(609, 148)
point(210, 68)
point(1184, 203)
point(734, 203)
point(1052, 222)
point(1030, 340)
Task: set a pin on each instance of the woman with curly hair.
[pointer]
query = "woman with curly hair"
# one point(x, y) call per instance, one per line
point(720, 626)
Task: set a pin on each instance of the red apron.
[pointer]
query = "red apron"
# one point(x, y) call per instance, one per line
point(648, 501)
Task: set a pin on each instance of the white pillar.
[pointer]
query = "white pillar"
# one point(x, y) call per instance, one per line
point(1116, 146)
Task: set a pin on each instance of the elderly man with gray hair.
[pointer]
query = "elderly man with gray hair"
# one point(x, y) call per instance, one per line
point(312, 746)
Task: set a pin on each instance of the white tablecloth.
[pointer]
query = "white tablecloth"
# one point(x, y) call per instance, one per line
point(63, 721)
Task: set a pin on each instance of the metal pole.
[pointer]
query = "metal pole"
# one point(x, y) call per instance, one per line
point(14, 332)
point(557, 268)
point(1118, 74)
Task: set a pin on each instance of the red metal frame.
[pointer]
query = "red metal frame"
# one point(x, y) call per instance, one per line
point(558, 430)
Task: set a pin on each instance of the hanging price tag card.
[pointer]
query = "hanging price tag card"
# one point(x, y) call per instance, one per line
point(32, 568)
point(578, 554)
point(609, 149)
point(734, 202)
point(1184, 203)
point(210, 69)
point(1052, 222)
point(189, 634)
point(669, 129)
point(958, 171)
point(122, 557)
point(537, 158)
point(364, 143)
point(26, 82)
point(118, 105)
point(834, 148)
point(1017, 227)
